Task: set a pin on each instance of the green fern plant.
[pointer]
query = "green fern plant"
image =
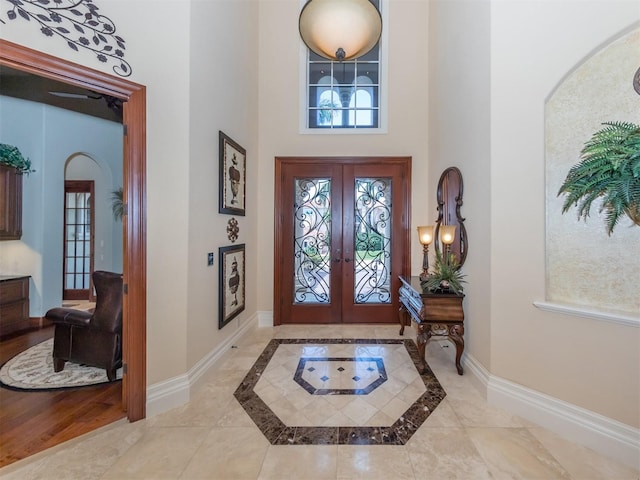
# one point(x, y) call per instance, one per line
point(12, 157)
point(327, 107)
point(609, 169)
point(446, 274)
point(117, 204)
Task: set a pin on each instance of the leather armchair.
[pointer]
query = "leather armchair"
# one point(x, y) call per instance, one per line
point(93, 339)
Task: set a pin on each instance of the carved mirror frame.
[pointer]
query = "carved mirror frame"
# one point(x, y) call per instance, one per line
point(449, 197)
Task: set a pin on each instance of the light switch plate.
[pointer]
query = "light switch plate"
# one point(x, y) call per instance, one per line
point(210, 258)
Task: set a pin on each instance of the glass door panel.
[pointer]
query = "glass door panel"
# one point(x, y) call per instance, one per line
point(372, 241)
point(78, 236)
point(312, 241)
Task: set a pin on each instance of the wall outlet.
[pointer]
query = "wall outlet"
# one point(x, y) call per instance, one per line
point(210, 258)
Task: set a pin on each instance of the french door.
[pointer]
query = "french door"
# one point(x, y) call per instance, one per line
point(78, 239)
point(341, 239)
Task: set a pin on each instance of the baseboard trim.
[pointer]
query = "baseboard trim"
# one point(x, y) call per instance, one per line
point(265, 318)
point(601, 434)
point(176, 391)
point(168, 394)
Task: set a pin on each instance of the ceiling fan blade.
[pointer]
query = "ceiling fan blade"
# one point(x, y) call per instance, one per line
point(81, 96)
point(113, 103)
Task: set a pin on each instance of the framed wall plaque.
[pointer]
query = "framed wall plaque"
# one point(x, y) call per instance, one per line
point(231, 297)
point(233, 166)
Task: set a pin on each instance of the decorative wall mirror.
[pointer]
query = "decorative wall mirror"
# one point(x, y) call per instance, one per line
point(449, 196)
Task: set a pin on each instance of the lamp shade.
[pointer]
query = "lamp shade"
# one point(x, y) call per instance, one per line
point(447, 234)
point(340, 29)
point(425, 234)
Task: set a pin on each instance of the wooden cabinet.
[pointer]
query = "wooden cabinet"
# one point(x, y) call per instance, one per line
point(14, 303)
point(10, 203)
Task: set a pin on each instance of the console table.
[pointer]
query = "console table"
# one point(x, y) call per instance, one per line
point(435, 314)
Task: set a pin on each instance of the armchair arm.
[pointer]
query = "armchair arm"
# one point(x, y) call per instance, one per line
point(69, 316)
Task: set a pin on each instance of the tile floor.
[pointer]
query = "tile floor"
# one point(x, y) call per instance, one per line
point(343, 391)
point(213, 437)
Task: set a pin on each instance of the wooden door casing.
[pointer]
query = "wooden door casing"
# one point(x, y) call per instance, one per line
point(134, 385)
point(342, 273)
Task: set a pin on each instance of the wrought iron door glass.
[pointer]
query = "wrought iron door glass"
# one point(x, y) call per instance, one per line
point(312, 240)
point(372, 241)
point(77, 239)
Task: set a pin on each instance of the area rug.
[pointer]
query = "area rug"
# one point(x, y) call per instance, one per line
point(32, 370)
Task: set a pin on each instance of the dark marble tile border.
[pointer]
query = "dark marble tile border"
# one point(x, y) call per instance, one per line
point(280, 434)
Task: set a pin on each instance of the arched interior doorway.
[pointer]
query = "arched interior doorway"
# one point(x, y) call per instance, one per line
point(93, 235)
point(134, 196)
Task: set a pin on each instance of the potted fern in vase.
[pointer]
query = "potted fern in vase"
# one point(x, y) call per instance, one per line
point(446, 276)
point(610, 171)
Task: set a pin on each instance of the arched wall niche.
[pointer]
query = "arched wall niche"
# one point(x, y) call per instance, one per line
point(585, 266)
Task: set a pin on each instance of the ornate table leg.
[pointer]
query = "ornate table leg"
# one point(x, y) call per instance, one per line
point(424, 333)
point(402, 317)
point(456, 333)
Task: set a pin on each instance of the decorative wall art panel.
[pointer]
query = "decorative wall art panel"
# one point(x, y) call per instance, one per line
point(80, 24)
point(232, 284)
point(232, 176)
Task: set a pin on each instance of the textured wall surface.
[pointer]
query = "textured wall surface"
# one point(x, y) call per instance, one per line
point(584, 264)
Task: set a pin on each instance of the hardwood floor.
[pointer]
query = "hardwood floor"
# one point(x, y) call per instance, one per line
point(34, 421)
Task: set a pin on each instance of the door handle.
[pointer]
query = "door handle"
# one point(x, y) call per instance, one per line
point(336, 260)
point(347, 260)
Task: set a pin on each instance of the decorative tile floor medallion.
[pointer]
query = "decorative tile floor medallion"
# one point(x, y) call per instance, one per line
point(339, 391)
point(341, 375)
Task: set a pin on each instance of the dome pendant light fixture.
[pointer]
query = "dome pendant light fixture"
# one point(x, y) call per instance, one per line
point(340, 29)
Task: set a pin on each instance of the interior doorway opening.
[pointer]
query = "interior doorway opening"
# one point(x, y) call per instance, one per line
point(134, 196)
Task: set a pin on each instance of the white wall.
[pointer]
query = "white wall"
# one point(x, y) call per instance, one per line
point(583, 361)
point(223, 96)
point(579, 360)
point(49, 137)
point(459, 135)
point(157, 49)
point(279, 107)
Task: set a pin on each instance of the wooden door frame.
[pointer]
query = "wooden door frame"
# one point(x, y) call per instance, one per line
point(281, 162)
point(134, 384)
